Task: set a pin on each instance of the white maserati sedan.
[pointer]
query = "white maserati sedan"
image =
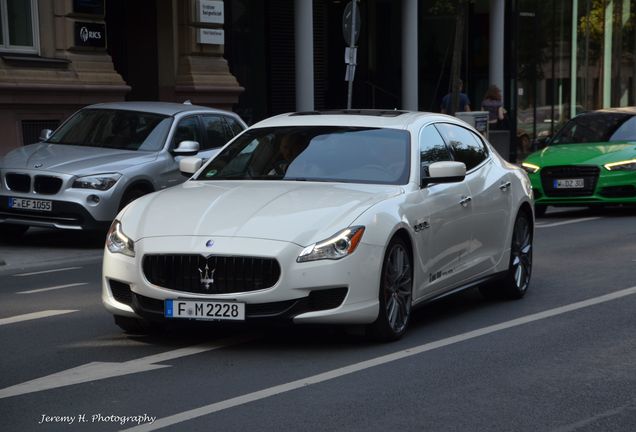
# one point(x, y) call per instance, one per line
point(348, 217)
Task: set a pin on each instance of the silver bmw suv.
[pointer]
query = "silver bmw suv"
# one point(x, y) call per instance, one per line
point(103, 157)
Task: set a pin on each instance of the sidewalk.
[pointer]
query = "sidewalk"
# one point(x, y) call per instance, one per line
point(41, 247)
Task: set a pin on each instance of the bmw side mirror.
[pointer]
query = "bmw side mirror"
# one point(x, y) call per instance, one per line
point(45, 134)
point(189, 166)
point(186, 148)
point(444, 172)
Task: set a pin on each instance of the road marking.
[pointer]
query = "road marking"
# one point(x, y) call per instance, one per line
point(357, 367)
point(34, 315)
point(52, 288)
point(567, 222)
point(101, 370)
point(46, 271)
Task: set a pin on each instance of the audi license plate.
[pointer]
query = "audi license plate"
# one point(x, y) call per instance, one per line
point(30, 204)
point(569, 184)
point(205, 310)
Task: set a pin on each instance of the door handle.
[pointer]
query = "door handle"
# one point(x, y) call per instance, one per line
point(505, 186)
point(465, 201)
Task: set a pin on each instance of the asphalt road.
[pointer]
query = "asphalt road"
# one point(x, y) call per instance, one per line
point(561, 359)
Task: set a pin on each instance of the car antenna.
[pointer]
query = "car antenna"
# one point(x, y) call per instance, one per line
point(187, 102)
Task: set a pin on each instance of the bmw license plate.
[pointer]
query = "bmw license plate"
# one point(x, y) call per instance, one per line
point(30, 204)
point(205, 310)
point(569, 184)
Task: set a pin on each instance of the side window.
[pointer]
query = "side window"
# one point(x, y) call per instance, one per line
point(187, 130)
point(432, 148)
point(234, 125)
point(466, 146)
point(216, 133)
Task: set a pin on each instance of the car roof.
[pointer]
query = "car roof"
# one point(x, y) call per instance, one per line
point(165, 108)
point(359, 118)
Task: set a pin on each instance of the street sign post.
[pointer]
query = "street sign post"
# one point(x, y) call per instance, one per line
point(351, 31)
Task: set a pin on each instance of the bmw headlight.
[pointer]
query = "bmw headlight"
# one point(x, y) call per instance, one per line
point(627, 165)
point(336, 247)
point(99, 181)
point(118, 242)
point(530, 168)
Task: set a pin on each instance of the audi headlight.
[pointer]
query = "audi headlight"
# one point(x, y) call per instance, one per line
point(100, 182)
point(336, 247)
point(627, 165)
point(118, 242)
point(530, 168)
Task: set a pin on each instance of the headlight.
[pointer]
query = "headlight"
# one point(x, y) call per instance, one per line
point(338, 246)
point(628, 165)
point(99, 181)
point(118, 242)
point(530, 168)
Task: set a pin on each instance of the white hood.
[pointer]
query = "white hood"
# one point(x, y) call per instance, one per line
point(297, 212)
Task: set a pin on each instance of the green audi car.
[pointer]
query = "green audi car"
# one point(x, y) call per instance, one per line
point(590, 161)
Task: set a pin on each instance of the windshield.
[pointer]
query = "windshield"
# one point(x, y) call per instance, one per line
point(315, 153)
point(126, 130)
point(597, 127)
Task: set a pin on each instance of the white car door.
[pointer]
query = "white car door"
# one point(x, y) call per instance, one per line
point(490, 198)
point(441, 220)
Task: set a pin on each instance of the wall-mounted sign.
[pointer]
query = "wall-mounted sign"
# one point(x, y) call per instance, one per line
point(210, 11)
point(88, 34)
point(211, 36)
point(93, 7)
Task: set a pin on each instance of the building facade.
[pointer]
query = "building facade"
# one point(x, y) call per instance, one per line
point(552, 59)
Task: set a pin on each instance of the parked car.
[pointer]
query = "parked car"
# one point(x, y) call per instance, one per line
point(102, 158)
point(590, 161)
point(349, 217)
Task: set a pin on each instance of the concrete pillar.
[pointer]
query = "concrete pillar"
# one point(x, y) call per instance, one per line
point(410, 89)
point(496, 64)
point(304, 38)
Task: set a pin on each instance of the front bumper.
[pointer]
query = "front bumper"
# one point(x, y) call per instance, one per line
point(607, 187)
point(345, 291)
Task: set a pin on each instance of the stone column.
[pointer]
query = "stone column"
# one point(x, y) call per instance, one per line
point(409, 55)
point(496, 66)
point(202, 74)
point(304, 50)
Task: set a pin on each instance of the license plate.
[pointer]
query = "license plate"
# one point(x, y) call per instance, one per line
point(205, 310)
point(30, 204)
point(569, 184)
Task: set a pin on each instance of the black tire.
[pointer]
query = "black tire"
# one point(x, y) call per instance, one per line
point(539, 210)
point(11, 232)
point(130, 195)
point(514, 284)
point(396, 293)
point(135, 325)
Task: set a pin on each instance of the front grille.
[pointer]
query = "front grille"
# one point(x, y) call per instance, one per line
point(18, 182)
point(230, 274)
point(47, 185)
point(121, 292)
point(588, 173)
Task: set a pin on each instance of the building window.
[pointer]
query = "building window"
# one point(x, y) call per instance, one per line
point(19, 26)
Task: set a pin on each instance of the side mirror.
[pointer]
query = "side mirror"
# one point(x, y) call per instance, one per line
point(186, 148)
point(445, 172)
point(189, 165)
point(45, 134)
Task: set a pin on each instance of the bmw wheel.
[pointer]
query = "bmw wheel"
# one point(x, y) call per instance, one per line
point(396, 292)
point(515, 284)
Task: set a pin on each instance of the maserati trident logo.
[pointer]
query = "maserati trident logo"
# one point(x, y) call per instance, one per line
point(207, 277)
